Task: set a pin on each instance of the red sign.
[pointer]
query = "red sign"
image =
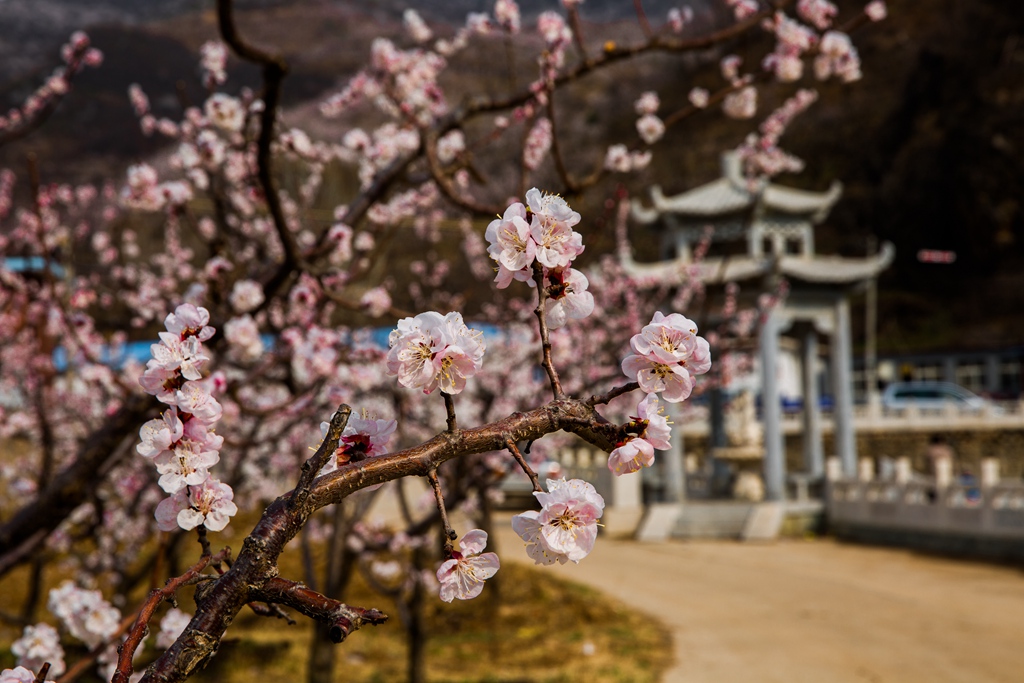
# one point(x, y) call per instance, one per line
point(936, 256)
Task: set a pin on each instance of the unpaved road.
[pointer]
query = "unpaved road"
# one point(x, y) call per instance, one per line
point(814, 611)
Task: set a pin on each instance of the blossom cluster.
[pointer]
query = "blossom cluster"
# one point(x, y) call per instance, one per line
point(761, 155)
point(77, 54)
point(434, 351)
point(39, 644)
point(667, 356)
point(565, 528)
point(541, 232)
point(182, 443)
point(648, 430)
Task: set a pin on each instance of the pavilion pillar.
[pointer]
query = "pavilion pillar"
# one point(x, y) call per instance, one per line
point(842, 388)
point(771, 410)
point(814, 459)
point(675, 484)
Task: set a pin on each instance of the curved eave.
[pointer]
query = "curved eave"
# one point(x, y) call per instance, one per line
point(710, 270)
point(819, 269)
point(724, 196)
point(790, 200)
point(836, 269)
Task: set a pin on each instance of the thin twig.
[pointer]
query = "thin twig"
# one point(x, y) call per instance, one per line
point(514, 450)
point(556, 149)
point(449, 533)
point(449, 408)
point(642, 18)
point(41, 676)
point(126, 650)
point(549, 366)
point(204, 542)
point(577, 31)
point(311, 468)
point(597, 400)
point(444, 183)
point(274, 68)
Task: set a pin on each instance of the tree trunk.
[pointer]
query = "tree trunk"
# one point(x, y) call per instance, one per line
point(340, 561)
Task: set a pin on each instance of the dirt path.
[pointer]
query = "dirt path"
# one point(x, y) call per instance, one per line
point(814, 611)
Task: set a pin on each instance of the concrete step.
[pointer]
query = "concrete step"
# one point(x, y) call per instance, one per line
point(719, 519)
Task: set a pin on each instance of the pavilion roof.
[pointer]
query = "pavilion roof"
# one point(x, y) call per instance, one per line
point(733, 193)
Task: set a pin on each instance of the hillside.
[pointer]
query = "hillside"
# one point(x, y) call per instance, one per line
point(929, 145)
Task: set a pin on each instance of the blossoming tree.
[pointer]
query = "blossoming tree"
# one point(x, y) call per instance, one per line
point(262, 315)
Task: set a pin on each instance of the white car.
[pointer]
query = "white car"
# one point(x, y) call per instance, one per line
point(932, 396)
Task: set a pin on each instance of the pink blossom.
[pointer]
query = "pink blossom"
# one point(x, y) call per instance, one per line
point(194, 398)
point(246, 296)
point(243, 334)
point(189, 321)
point(538, 142)
point(433, 351)
point(209, 504)
point(667, 355)
point(450, 146)
point(553, 28)
point(651, 128)
point(647, 103)
point(818, 13)
point(647, 431)
point(676, 20)
point(673, 336)
point(173, 353)
point(225, 112)
point(566, 526)
point(376, 301)
point(837, 57)
point(464, 574)
point(569, 296)
point(189, 462)
point(85, 613)
point(743, 9)
point(416, 27)
point(172, 625)
point(730, 66)
point(640, 160)
point(39, 644)
point(876, 10)
point(551, 229)
point(158, 435)
point(507, 14)
point(699, 97)
point(741, 104)
point(617, 159)
point(509, 237)
point(19, 674)
point(160, 382)
point(363, 437)
point(214, 56)
point(654, 376)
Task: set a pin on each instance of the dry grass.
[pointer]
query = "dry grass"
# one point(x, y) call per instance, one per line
point(526, 626)
point(540, 633)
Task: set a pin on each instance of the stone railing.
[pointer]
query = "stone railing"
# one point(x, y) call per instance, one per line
point(979, 518)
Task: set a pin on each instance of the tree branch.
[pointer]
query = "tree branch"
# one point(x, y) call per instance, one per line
point(256, 563)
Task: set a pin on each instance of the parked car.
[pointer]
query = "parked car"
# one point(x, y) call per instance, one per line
point(931, 396)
